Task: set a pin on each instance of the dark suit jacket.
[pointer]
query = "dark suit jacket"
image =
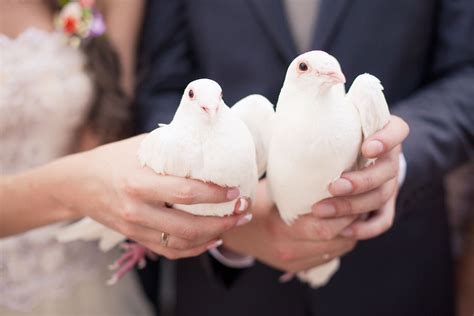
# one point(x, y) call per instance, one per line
point(423, 52)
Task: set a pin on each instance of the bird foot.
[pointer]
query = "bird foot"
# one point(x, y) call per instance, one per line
point(287, 277)
point(135, 254)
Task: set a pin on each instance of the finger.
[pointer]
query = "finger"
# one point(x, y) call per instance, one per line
point(386, 139)
point(185, 225)
point(144, 234)
point(367, 179)
point(174, 254)
point(156, 189)
point(356, 204)
point(379, 223)
point(312, 228)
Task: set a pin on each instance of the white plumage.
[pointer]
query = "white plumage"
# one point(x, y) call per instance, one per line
point(216, 149)
point(205, 141)
point(317, 135)
point(257, 113)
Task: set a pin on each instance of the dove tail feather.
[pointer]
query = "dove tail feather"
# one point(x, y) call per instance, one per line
point(320, 275)
point(85, 229)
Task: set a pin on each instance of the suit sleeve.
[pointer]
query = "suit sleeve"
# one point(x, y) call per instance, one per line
point(164, 66)
point(441, 115)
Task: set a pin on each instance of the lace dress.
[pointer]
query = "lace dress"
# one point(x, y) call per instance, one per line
point(45, 95)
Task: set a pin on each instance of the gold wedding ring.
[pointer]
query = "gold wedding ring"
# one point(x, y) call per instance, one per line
point(165, 238)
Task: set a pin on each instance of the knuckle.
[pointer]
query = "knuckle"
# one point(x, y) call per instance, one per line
point(343, 206)
point(185, 193)
point(189, 232)
point(131, 187)
point(322, 232)
point(129, 214)
point(367, 182)
point(284, 254)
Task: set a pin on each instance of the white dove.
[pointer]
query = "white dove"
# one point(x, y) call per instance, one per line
point(204, 141)
point(317, 134)
point(257, 113)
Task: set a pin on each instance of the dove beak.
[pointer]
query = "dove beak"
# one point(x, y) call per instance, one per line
point(336, 77)
point(211, 111)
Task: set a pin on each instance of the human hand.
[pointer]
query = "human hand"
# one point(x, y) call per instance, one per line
point(309, 242)
point(110, 186)
point(370, 190)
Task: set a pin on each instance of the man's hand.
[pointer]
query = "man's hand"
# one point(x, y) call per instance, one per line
point(373, 189)
point(309, 242)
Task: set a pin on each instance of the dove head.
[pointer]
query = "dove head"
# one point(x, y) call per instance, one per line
point(315, 70)
point(202, 98)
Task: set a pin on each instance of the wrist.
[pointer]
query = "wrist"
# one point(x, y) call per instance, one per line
point(65, 189)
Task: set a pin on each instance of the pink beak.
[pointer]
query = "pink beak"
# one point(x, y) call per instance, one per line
point(209, 111)
point(337, 77)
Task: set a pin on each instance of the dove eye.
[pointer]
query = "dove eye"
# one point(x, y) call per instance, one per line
point(222, 94)
point(303, 67)
point(191, 93)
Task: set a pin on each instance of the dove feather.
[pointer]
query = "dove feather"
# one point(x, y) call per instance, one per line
point(366, 95)
point(257, 113)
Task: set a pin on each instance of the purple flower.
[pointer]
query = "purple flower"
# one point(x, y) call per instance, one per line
point(98, 25)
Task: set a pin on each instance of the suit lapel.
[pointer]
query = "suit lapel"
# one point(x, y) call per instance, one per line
point(331, 13)
point(273, 19)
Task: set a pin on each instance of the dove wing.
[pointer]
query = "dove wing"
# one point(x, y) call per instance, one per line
point(171, 150)
point(366, 94)
point(257, 113)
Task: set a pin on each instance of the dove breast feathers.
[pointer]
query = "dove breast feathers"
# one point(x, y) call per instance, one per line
point(309, 150)
point(222, 153)
point(312, 145)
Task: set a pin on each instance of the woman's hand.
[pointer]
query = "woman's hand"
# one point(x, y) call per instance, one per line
point(109, 185)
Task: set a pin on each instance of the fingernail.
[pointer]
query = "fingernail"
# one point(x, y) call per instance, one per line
point(232, 194)
point(216, 244)
point(244, 204)
point(341, 187)
point(325, 210)
point(374, 148)
point(347, 232)
point(244, 220)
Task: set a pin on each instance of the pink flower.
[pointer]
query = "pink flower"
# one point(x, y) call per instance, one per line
point(87, 3)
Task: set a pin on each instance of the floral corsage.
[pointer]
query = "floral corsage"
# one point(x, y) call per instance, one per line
point(79, 20)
